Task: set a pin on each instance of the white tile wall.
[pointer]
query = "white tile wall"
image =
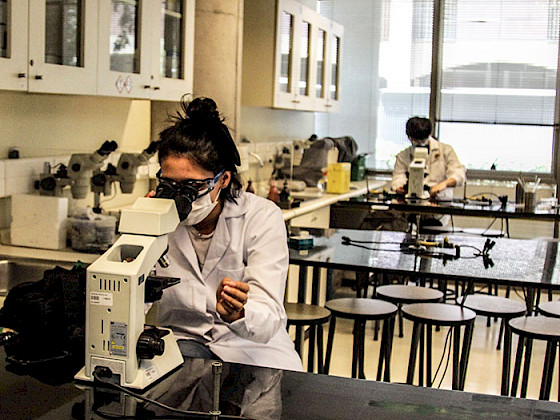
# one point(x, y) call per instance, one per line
point(18, 176)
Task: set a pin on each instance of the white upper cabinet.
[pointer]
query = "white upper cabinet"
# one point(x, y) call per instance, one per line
point(145, 48)
point(288, 57)
point(13, 44)
point(48, 46)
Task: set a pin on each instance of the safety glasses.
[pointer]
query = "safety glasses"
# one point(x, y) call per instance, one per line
point(202, 186)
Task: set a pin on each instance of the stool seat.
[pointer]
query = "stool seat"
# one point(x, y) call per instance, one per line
point(537, 327)
point(426, 315)
point(304, 314)
point(400, 293)
point(361, 308)
point(490, 305)
point(551, 309)
point(442, 314)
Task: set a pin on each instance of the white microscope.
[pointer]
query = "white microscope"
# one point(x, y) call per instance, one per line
point(117, 342)
point(416, 173)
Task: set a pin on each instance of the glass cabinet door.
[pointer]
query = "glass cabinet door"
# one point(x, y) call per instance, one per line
point(286, 51)
point(173, 49)
point(304, 58)
point(335, 62)
point(171, 39)
point(4, 34)
point(320, 63)
point(62, 46)
point(63, 32)
point(124, 51)
point(13, 44)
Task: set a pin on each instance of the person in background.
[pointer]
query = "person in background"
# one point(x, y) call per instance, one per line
point(230, 251)
point(443, 168)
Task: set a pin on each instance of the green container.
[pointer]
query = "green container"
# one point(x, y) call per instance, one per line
point(358, 168)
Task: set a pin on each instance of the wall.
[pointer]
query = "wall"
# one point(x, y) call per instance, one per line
point(359, 77)
point(47, 125)
point(49, 128)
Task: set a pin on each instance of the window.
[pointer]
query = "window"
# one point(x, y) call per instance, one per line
point(498, 86)
point(493, 94)
point(405, 61)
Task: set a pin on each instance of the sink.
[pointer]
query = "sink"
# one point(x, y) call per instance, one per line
point(16, 271)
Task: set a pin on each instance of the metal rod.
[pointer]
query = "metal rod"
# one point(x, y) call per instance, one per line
point(217, 372)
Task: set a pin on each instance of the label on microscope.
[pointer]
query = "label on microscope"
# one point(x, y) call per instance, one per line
point(101, 298)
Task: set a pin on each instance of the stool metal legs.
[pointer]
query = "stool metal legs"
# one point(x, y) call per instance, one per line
point(524, 351)
point(315, 336)
point(358, 348)
point(460, 354)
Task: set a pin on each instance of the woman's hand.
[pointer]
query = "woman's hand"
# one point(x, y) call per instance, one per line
point(231, 298)
point(150, 194)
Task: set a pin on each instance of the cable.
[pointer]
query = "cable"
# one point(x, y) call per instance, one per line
point(447, 361)
point(154, 402)
point(442, 357)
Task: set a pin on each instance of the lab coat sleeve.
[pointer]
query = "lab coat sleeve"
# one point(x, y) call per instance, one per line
point(399, 172)
point(265, 272)
point(454, 168)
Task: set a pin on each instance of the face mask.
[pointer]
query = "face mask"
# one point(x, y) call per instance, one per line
point(201, 208)
point(420, 143)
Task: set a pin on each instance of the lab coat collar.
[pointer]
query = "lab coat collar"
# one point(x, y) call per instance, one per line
point(221, 240)
point(182, 239)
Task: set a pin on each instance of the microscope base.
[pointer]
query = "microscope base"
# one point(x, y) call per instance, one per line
point(148, 372)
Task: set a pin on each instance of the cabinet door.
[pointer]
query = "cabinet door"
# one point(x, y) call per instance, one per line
point(285, 85)
point(320, 55)
point(304, 58)
point(63, 46)
point(124, 47)
point(334, 57)
point(173, 49)
point(13, 44)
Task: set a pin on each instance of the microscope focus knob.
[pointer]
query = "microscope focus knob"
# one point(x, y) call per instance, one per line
point(150, 343)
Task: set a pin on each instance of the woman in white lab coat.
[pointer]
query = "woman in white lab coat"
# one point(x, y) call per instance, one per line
point(443, 168)
point(230, 250)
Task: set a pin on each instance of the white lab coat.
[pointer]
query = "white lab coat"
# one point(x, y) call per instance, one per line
point(442, 163)
point(249, 245)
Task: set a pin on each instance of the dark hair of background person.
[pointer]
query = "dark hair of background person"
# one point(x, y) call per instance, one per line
point(418, 128)
point(199, 133)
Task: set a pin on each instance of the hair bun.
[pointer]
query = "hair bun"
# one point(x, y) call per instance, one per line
point(202, 111)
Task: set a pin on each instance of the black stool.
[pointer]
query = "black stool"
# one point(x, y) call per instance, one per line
point(494, 306)
point(551, 309)
point(445, 315)
point(529, 329)
point(401, 294)
point(314, 316)
point(362, 310)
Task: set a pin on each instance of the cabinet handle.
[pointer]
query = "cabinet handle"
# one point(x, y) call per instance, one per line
point(21, 75)
point(156, 88)
point(147, 86)
point(295, 101)
point(328, 105)
point(39, 77)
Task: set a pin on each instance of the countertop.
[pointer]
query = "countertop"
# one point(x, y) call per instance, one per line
point(254, 393)
point(68, 255)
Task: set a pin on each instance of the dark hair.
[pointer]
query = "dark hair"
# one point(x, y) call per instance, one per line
point(418, 128)
point(198, 132)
